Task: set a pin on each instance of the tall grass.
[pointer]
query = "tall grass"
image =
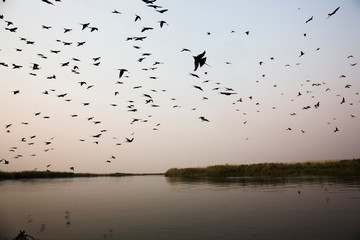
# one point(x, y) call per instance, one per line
point(45, 174)
point(323, 168)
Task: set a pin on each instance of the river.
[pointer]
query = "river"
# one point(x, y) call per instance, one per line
point(156, 207)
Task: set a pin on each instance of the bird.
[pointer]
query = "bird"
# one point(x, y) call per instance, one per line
point(46, 27)
point(137, 17)
point(332, 13)
point(162, 23)
point(227, 93)
point(203, 119)
point(309, 19)
point(122, 71)
point(301, 53)
point(116, 12)
point(198, 87)
point(62, 95)
point(16, 66)
point(129, 140)
point(11, 29)
point(199, 60)
point(194, 75)
point(80, 44)
point(48, 2)
point(162, 10)
point(146, 29)
point(84, 25)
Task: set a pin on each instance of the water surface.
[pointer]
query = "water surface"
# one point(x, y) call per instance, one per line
point(155, 207)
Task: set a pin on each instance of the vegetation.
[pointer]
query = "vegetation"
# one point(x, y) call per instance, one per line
point(320, 168)
point(46, 174)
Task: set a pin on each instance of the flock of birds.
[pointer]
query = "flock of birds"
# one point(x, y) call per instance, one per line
point(199, 61)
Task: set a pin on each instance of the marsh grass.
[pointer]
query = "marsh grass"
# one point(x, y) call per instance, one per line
point(45, 174)
point(321, 168)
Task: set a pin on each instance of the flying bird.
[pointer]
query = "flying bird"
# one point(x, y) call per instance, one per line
point(332, 13)
point(309, 19)
point(203, 119)
point(48, 2)
point(146, 29)
point(185, 50)
point(199, 60)
point(122, 71)
point(343, 100)
point(137, 17)
point(198, 87)
point(162, 23)
point(129, 140)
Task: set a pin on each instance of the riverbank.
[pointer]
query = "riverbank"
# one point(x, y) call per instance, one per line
point(319, 168)
point(45, 174)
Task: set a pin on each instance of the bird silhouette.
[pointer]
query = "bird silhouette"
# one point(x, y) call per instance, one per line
point(203, 119)
point(11, 29)
point(198, 87)
point(122, 71)
point(194, 75)
point(332, 13)
point(185, 50)
point(129, 140)
point(162, 10)
point(146, 29)
point(309, 19)
point(199, 60)
point(137, 18)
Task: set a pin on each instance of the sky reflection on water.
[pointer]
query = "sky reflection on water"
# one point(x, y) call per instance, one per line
point(155, 207)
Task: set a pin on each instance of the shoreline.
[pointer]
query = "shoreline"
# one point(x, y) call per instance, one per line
point(45, 174)
point(296, 169)
point(310, 168)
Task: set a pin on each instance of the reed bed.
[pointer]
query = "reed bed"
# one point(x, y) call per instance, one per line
point(321, 168)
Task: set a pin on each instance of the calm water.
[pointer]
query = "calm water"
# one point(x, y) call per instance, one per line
point(155, 207)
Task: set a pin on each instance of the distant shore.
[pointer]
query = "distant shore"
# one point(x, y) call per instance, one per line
point(312, 168)
point(315, 168)
point(46, 174)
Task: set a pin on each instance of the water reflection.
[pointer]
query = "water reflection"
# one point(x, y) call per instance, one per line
point(155, 207)
point(267, 181)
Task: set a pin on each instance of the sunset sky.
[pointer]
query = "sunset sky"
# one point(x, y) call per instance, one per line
point(293, 57)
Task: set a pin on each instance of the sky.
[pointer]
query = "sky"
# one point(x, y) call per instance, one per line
point(291, 72)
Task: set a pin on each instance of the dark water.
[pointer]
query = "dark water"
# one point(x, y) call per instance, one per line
point(155, 207)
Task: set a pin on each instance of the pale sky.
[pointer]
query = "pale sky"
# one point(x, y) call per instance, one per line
point(168, 131)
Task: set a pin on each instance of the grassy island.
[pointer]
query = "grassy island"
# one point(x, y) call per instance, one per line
point(317, 168)
point(46, 174)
